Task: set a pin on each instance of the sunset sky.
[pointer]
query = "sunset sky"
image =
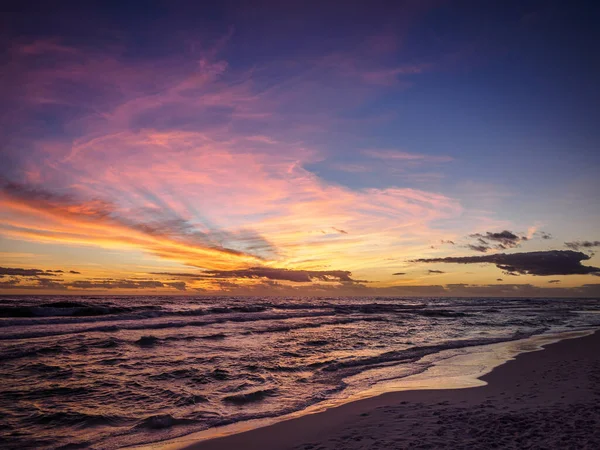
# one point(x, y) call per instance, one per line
point(300, 148)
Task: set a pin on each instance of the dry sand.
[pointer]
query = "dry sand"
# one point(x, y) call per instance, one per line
point(543, 400)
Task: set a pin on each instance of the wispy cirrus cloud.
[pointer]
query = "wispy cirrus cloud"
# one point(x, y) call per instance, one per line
point(201, 164)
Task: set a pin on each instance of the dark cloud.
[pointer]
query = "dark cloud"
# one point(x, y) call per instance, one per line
point(34, 275)
point(33, 284)
point(543, 235)
point(75, 272)
point(116, 284)
point(340, 230)
point(17, 272)
point(435, 271)
point(10, 283)
point(272, 273)
point(38, 283)
point(179, 285)
point(498, 240)
point(447, 242)
point(579, 245)
point(399, 273)
point(46, 283)
point(505, 237)
point(225, 285)
point(554, 281)
point(552, 262)
point(179, 274)
point(499, 279)
point(479, 248)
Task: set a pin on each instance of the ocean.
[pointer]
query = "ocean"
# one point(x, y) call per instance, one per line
point(109, 371)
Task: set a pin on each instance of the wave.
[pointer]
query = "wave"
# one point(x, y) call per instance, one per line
point(69, 312)
point(49, 371)
point(356, 365)
point(147, 341)
point(176, 374)
point(250, 397)
point(159, 325)
point(191, 400)
point(317, 343)
point(70, 418)
point(161, 421)
point(33, 393)
point(17, 352)
point(66, 308)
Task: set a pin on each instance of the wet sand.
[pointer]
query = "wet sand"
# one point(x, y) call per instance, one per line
point(544, 399)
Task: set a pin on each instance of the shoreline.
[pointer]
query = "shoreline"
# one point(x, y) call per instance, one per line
point(470, 369)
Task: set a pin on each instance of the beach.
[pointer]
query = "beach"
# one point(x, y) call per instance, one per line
point(541, 399)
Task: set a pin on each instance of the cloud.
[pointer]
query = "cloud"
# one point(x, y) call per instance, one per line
point(297, 276)
point(17, 272)
point(226, 156)
point(35, 283)
point(554, 281)
point(544, 263)
point(505, 237)
point(10, 283)
point(479, 248)
point(499, 279)
point(339, 230)
point(116, 284)
point(179, 274)
point(377, 216)
point(74, 272)
point(578, 245)
point(399, 273)
point(502, 240)
point(435, 271)
point(179, 285)
point(30, 279)
point(159, 230)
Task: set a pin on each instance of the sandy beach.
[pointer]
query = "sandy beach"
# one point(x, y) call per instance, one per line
point(542, 399)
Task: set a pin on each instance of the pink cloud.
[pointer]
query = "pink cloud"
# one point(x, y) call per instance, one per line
point(200, 164)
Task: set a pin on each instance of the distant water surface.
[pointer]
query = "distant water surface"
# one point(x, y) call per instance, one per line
point(103, 372)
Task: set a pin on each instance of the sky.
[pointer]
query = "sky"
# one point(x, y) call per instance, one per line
point(405, 148)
